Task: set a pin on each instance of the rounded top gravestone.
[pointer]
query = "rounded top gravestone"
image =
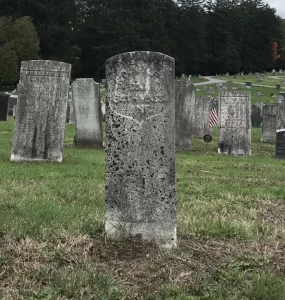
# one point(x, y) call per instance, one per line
point(140, 147)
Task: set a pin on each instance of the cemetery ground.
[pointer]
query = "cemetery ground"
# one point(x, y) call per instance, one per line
point(231, 235)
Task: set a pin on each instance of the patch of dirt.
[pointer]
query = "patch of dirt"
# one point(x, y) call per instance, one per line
point(139, 268)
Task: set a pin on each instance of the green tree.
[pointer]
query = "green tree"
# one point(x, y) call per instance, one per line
point(18, 42)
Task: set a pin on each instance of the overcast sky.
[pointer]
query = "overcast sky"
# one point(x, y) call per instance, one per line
point(279, 5)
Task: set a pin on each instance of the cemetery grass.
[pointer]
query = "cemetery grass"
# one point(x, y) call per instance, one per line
point(269, 80)
point(231, 235)
point(266, 98)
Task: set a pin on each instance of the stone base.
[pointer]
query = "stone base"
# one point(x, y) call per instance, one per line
point(17, 158)
point(162, 234)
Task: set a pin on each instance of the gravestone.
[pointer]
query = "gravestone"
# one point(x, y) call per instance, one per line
point(87, 112)
point(12, 102)
point(248, 85)
point(235, 123)
point(4, 104)
point(140, 147)
point(256, 114)
point(273, 119)
point(184, 101)
point(41, 111)
point(200, 116)
point(280, 143)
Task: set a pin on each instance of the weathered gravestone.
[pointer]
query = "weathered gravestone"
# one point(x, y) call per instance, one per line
point(256, 114)
point(184, 106)
point(235, 123)
point(273, 119)
point(12, 102)
point(248, 85)
point(41, 111)
point(280, 143)
point(87, 112)
point(140, 147)
point(200, 116)
point(4, 104)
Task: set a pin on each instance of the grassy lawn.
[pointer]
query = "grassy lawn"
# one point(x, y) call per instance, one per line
point(196, 79)
point(266, 98)
point(231, 233)
point(269, 80)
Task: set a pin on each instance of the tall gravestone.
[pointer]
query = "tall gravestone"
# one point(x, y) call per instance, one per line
point(87, 112)
point(200, 116)
point(257, 114)
point(273, 119)
point(41, 111)
point(140, 147)
point(235, 123)
point(184, 101)
point(4, 104)
point(280, 143)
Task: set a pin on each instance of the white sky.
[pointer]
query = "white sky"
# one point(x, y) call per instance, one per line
point(279, 5)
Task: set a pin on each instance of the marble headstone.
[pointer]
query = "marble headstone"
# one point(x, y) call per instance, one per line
point(256, 114)
point(41, 111)
point(235, 123)
point(87, 112)
point(140, 147)
point(4, 104)
point(200, 116)
point(184, 106)
point(273, 119)
point(12, 102)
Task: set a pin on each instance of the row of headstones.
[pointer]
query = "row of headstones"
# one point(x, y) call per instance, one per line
point(140, 135)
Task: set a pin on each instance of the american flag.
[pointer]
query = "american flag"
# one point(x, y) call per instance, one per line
point(213, 115)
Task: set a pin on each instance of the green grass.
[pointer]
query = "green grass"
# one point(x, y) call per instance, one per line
point(266, 98)
point(196, 79)
point(231, 214)
point(269, 80)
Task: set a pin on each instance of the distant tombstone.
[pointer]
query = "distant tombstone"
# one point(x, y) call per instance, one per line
point(282, 94)
point(280, 143)
point(235, 123)
point(248, 85)
point(14, 111)
point(4, 104)
point(273, 119)
point(259, 94)
point(278, 86)
point(140, 147)
point(200, 116)
point(41, 111)
point(71, 112)
point(12, 101)
point(184, 101)
point(87, 111)
point(259, 78)
point(67, 113)
point(280, 71)
point(280, 99)
point(256, 114)
point(229, 84)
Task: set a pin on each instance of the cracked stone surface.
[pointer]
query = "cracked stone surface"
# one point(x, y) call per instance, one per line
point(235, 123)
point(140, 147)
point(41, 111)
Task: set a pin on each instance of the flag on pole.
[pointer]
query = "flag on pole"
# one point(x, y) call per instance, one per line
point(213, 115)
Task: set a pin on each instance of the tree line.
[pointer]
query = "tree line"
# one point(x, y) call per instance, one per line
point(204, 36)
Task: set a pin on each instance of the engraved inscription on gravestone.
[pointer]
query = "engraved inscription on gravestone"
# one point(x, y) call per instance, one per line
point(235, 123)
point(41, 111)
point(140, 147)
point(280, 143)
point(87, 111)
point(4, 103)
